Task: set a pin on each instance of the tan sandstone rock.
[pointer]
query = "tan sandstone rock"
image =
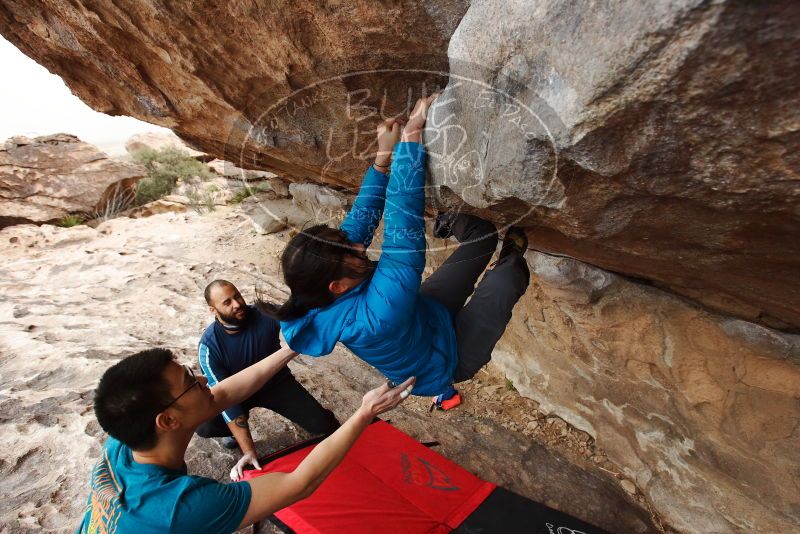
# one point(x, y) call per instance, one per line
point(167, 204)
point(280, 187)
point(229, 170)
point(701, 411)
point(47, 178)
point(326, 205)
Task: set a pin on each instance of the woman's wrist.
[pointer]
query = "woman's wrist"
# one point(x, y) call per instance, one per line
point(382, 163)
point(411, 137)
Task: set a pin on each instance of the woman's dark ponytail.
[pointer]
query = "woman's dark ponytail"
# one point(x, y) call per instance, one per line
point(287, 311)
point(311, 260)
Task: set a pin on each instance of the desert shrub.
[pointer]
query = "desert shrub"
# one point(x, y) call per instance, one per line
point(510, 385)
point(164, 168)
point(117, 198)
point(246, 192)
point(201, 201)
point(68, 221)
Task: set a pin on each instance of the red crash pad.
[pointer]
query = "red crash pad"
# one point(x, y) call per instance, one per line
point(387, 483)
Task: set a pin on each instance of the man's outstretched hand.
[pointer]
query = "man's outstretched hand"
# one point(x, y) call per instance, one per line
point(275, 491)
point(248, 458)
point(416, 120)
point(384, 398)
point(374, 403)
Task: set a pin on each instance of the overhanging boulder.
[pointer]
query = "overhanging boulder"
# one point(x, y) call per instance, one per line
point(673, 158)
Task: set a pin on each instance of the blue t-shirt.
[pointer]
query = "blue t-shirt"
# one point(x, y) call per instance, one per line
point(127, 496)
point(223, 354)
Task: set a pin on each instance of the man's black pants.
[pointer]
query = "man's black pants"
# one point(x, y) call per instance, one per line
point(481, 322)
point(284, 395)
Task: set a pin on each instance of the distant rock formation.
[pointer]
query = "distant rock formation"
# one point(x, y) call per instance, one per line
point(46, 178)
point(158, 141)
point(229, 170)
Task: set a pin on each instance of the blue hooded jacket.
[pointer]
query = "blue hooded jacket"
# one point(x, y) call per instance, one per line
point(384, 320)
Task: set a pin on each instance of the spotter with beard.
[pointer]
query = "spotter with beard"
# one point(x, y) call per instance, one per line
point(240, 337)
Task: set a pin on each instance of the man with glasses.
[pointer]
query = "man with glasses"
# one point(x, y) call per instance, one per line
point(239, 337)
point(151, 406)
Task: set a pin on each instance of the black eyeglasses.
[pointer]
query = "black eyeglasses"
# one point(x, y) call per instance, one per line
point(185, 391)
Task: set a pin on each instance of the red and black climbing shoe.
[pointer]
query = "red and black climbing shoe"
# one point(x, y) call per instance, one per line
point(515, 242)
point(447, 400)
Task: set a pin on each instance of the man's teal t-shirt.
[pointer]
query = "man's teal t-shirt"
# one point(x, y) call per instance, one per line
point(127, 496)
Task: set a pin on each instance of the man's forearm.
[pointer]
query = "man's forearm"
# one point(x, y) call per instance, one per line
point(278, 490)
point(327, 455)
point(241, 386)
point(240, 428)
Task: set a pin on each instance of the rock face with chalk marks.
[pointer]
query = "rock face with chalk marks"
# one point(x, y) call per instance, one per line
point(655, 139)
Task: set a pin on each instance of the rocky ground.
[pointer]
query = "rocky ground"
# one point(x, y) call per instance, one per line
point(78, 299)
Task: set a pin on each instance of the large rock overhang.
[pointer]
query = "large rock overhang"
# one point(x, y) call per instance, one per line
point(675, 135)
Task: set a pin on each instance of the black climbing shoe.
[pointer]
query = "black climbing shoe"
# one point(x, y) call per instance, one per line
point(515, 242)
point(441, 227)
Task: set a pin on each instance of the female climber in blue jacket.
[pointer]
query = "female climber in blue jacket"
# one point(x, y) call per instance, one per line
point(384, 313)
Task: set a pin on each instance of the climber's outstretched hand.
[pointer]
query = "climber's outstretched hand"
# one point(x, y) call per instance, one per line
point(388, 136)
point(416, 120)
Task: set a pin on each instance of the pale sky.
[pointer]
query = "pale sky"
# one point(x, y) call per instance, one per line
point(35, 102)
